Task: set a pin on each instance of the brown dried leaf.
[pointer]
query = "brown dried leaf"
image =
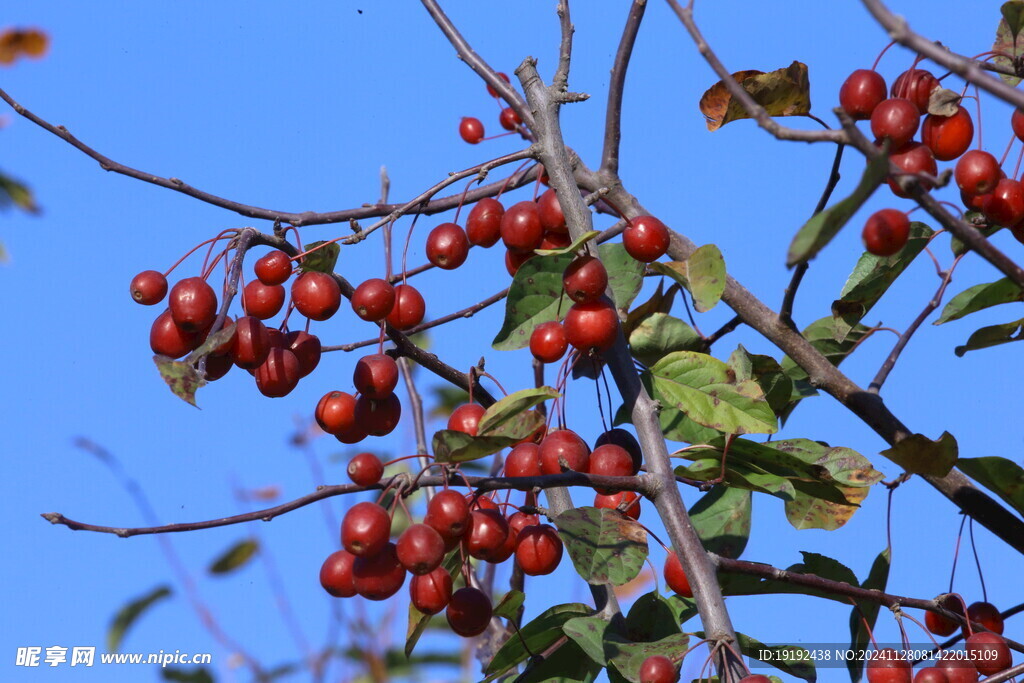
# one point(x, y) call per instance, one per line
point(714, 103)
point(16, 42)
point(943, 102)
point(783, 92)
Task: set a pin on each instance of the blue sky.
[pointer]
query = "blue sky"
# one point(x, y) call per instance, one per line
point(298, 108)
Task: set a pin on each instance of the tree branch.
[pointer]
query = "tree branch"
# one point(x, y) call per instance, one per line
point(616, 86)
point(561, 77)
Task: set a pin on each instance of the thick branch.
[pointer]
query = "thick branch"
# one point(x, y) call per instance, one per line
point(616, 86)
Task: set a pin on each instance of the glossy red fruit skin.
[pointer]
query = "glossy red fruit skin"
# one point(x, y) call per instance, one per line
point(592, 326)
point(306, 348)
point(336, 574)
point(1017, 123)
point(483, 227)
point(167, 339)
point(491, 91)
point(1005, 204)
point(658, 669)
point(481, 502)
point(365, 469)
point(448, 514)
point(420, 549)
point(148, 287)
point(614, 500)
point(675, 577)
point(986, 614)
point(351, 435)
point(316, 295)
point(262, 301)
point(930, 674)
point(487, 532)
point(611, 461)
point(373, 300)
point(379, 576)
point(895, 119)
point(958, 670)
point(251, 344)
point(888, 666)
point(376, 375)
point(431, 592)
point(508, 547)
point(273, 268)
point(276, 337)
point(886, 232)
point(278, 374)
point(912, 158)
point(336, 412)
point(378, 417)
point(521, 229)
point(365, 529)
point(549, 210)
point(940, 625)
point(989, 652)
point(646, 239)
point(555, 240)
point(471, 130)
point(948, 137)
point(585, 279)
point(409, 308)
point(538, 550)
point(523, 461)
point(915, 85)
point(861, 92)
point(513, 260)
point(620, 437)
point(193, 304)
point(217, 366)
point(469, 611)
point(563, 444)
point(509, 119)
point(447, 246)
point(977, 172)
point(520, 520)
point(548, 342)
point(466, 418)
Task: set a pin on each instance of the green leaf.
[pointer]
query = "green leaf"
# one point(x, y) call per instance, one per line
point(797, 663)
point(535, 297)
point(235, 556)
point(572, 248)
point(1002, 477)
point(127, 615)
point(918, 454)
point(867, 611)
point(844, 466)
point(652, 617)
point(705, 389)
point(508, 606)
point(722, 520)
point(660, 334)
point(588, 634)
point(322, 260)
point(993, 335)
point(810, 511)
point(979, 297)
point(16, 193)
point(1007, 34)
point(605, 546)
point(705, 270)
point(821, 334)
point(766, 371)
point(871, 277)
point(628, 657)
point(783, 92)
point(454, 446)
point(625, 273)
point(181, 377)
point(660, 302)
point(1013, 14)
point(538, 635)
point(822, 227)
point(566, 664)
point(739, 476)
point(499, 414)
point(827, 568)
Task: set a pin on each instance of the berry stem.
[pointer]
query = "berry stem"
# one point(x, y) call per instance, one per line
point(874, 67)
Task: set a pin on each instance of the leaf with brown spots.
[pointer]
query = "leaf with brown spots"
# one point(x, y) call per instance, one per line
point(918, 454)
point(807, 512)
point(783, 92)
point(1008, 40)
point(181, 377)
point(605, 545)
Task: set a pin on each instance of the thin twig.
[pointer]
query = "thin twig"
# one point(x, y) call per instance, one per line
point(616, 86)
point(419, 423)
point(561, 77)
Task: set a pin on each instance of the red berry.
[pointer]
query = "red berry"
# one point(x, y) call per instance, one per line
point(861, 92)
point(379, 576)
point(675, 577)
point(886, 232)
point(912, 158)
point(646, 238)
point(585, 279)
point(611, 461)
point(336, 574)
point(447, 246)
point(515, 259)
point(431, 592)
point(335, 413)
point(507, 548)
point(948, 136)
point(888, 666)
point(895, 119)
point(620, 437)
point(1005, 204)
point(273, 268)
point(448, 514)
point(376, 375)
point(550, 212)
point(555, 240)
point(193, 304)
point(986, 614)
point(509, 119)
point(592, 326)
point(520, 520)
point(625, 499)
point(409, 308)
point(262, 301)
point(251, 344)
point(989, 652)
point(373, 300)
point(471, 130)
point(306, 348)
point(523, 461)
point(469, 612)
point(148, 287)
point(420, 549)
point(548, 342)
point(915, 85)
point(977, 172)
point(483, 227)
point(1017, 123)
point(538, 550)
point(466, 418)
point(491, 91)
point(521, 229)
point(659, 669)
point(217, 366)
point(365, 529)
point(378, 417)
point(167, 339)
point(563, 444)
point(316, 295)
point(930, 674)
point(958, 670)
point(487, 532)
point(278, 374)
point(365, 469)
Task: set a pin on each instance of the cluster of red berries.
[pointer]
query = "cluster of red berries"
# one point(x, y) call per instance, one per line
point(945, 136)
point(472, 130)
point(373, 411)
